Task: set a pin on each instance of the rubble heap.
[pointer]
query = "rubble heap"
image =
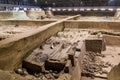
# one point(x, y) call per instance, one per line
point(92, 65)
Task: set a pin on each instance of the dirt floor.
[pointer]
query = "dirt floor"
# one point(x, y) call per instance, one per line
point(11, 30)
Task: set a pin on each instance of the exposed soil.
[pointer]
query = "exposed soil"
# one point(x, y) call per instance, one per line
point(99, 65)
point(11, 30)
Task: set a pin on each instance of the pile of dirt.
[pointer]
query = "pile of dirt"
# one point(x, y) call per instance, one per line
point(49, 14)
point(20, 15)
point(92, 65)
point(36, 14)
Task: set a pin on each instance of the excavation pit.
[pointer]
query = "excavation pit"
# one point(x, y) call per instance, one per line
point(20, 46)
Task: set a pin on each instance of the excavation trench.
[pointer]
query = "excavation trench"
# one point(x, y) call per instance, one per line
point(95, 65)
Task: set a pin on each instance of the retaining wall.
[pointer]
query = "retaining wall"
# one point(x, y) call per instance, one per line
point(99, 25)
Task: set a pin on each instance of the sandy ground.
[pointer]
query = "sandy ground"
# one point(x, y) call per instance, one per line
point(11, 30)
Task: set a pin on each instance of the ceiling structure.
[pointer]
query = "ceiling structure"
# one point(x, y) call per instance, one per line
point(62, 3)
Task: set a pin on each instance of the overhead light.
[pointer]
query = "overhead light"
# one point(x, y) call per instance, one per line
point(32, 9)
point(82, 9)
point(37, 9)
point(95, 9)
point(25, 9)
point(102, 9)
point(58, 9)
point(88, 9)
point(76, 9)
point(35, 1)
point(40, 9)
point(64, 9)
point(110, 9)
point(17, 8)
point(118, 9)
point(50, 8)
point(53, 9)
point(69, 9)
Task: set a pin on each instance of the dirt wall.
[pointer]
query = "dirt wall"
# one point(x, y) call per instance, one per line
point(24, 23)
point(112, 40)
point(35, 14)
point(5, 15)
point(20, 15)
point(99, 25)
point(13, 15)
point(114, 73)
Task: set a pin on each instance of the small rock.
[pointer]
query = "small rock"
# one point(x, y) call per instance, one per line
point(56, 76)
point(51, 71)
point(41, 47)
point(119, 54)
point(51, 47)
point(46, 72)
point(47, 76)
point(55, 72)
point(19, 71)
point(36, 75)
point(44, 78)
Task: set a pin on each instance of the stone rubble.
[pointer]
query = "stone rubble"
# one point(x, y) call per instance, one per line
point(92, 64)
